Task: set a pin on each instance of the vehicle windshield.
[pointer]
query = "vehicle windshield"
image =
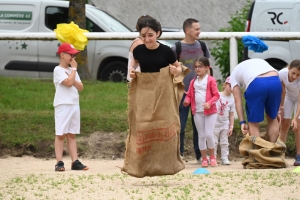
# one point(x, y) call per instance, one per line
point(109, 20)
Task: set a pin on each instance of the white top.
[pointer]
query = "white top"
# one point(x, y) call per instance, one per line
point(130, 58)
point(63, 94)
point(200, 93)
point(225, 105)
point(245, 72)
point(292, 88)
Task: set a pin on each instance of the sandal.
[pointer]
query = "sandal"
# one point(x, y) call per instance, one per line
point(59, 167)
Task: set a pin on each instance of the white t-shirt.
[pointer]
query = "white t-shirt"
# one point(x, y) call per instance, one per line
point(292, 88)
point(225, 105)
point(245, 72)
point(63, 94)
point(200, 93)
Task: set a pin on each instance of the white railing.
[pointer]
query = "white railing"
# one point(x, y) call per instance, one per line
point(231, 36)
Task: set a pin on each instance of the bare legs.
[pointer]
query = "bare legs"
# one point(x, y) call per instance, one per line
point(272, 129)
point(71, 144)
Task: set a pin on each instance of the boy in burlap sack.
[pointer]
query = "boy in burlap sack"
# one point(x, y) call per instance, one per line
point(153, 142)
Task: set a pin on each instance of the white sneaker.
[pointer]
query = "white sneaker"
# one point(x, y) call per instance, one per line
point(199, 161)
point(225, 161)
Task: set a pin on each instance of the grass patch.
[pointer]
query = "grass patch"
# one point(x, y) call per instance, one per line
point(27, 113)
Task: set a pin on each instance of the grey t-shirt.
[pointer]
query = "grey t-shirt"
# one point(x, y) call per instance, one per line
point(189, 53)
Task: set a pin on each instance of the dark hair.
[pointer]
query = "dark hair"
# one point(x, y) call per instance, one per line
point(141, 20)
point(295, 64)
point(203, 60)
point(188, 23)
point(211, 71)
point(151, 23)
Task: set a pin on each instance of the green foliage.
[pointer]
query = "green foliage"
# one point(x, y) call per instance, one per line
point(221, 49)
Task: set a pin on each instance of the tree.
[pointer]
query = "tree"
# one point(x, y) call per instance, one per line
point(221, 49)
point(76, 13)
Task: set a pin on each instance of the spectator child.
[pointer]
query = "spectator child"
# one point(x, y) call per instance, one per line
point(66, 106)
point(202, 95)
point(290, 100)
point(225, 120)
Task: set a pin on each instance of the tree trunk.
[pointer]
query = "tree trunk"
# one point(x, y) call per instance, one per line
point(77, 15)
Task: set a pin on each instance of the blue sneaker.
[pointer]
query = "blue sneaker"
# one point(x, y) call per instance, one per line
point(297, 160)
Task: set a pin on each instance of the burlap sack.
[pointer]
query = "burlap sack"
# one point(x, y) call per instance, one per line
point(152, 147)
point(261, 154)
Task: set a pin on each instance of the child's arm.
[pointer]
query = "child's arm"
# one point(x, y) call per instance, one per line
point(187, 99)
point(231, 123)
point(78, 85)
point(69, 82)
point(215, 94)
point(283, 93)
point(294, 123)
point(237, 93)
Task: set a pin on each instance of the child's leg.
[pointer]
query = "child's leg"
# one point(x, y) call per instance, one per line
point(224, 144)
point(199, 122)
point(72, 146)
point(210, 122)
point(216, 138)
point(59, 146)
point(285, 125)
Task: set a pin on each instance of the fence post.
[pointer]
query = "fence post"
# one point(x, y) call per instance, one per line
point(233, 49)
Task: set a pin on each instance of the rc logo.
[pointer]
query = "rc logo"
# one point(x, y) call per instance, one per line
point(276, 17)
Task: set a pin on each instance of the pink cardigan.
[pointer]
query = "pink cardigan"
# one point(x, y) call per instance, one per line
point(212, 95)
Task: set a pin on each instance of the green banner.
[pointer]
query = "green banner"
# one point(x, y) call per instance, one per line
point(15, 15)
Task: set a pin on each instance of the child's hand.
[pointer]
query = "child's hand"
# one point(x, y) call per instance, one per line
point(132, 73)
point(206, 106)
point(294, 124)
point(185, 104)
point(230, 131)
point(73, 63)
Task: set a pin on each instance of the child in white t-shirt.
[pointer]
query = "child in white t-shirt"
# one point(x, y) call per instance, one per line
point(66, 106)
point(225, 120)
point(290, 100)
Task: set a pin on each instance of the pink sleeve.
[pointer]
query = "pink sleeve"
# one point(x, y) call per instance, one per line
point(214, 91)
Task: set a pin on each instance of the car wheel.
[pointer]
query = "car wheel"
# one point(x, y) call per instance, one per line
point(278, 65)
point(115, 72)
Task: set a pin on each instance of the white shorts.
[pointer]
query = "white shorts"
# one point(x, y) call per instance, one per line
point(290, 106)
point(67, 119)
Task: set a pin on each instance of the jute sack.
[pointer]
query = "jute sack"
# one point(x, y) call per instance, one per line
point(261, 154)
point(152, 146)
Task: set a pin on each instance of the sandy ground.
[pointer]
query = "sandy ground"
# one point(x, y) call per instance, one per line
point(31, 178)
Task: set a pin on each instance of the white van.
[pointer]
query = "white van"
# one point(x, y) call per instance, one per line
point(107, 59)
point(275, 16)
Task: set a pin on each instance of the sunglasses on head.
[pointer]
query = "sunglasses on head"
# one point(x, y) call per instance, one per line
point(72, 55)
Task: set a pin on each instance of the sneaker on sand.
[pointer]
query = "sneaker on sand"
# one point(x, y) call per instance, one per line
point(204, 163)
point(77, 165)
point(225, 161)
point(60, 166)
point(297, 160)
point(200, 160)
point(213, 161)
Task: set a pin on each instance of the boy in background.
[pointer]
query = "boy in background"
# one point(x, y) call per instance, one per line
point(66, 106)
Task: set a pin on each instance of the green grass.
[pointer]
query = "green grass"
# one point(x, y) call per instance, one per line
point(27, 113)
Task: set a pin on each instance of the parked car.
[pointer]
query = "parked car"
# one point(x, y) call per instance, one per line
point(107, 59)
point(275, 16)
